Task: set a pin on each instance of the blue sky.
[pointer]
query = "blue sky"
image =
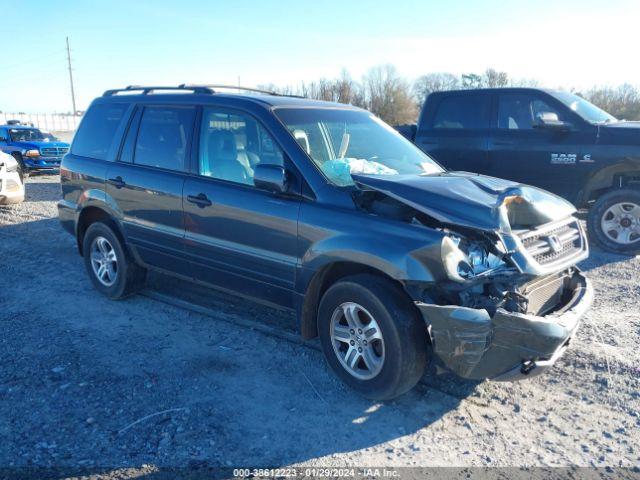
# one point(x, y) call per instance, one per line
point(568, 43)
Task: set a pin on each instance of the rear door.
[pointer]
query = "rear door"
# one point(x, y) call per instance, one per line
point(521, 152)
point(146, 183)
point(237, 236)
point(455, 133)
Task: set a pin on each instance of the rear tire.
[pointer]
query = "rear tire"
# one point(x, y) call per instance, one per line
point(110, 267)
point(386, 356)
point(614, 221)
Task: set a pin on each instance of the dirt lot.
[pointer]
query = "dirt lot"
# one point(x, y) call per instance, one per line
point(78, 371)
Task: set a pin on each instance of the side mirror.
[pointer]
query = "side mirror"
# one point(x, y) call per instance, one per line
point(550, 121)
point(272, 178)
point(3, 140)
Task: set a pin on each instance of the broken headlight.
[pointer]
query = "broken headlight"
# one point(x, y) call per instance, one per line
point(464, 259)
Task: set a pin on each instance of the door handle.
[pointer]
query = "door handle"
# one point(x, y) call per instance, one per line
point(504, 143)
point(200, 200)
point(117, 182)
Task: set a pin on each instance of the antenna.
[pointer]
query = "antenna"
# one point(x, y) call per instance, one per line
point(73, 93)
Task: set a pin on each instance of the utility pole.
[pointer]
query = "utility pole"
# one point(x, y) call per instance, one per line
point(73, 93)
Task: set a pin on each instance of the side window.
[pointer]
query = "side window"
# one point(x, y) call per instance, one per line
point(163, 137)
point(97, 130)
point(463, 112)
point(232, 144)
point(518, 112)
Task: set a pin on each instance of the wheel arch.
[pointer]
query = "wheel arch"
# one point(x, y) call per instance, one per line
point(91, 214)
point(625, 173)
point(328, 275)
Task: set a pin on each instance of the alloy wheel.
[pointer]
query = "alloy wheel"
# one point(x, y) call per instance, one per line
point(104, 261)
point(357, 341)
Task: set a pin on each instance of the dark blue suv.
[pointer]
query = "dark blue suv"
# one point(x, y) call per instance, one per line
point(324, 209)
point(31, 148)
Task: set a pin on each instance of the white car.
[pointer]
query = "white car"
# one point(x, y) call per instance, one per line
point(11, 186)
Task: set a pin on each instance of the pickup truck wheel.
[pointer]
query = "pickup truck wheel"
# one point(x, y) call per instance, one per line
point(614, 221)
point(372, 336)
point(110, 267)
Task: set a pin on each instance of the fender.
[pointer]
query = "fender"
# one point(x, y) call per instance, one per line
point(606, 178)
point(11, 149)
point(415, 260)
point(418, 260)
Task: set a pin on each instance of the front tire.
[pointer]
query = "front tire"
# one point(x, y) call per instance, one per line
point(614, 221)
point(111, 269)
point(372, 336)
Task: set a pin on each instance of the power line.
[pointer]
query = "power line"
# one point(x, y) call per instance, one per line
point(22, 76)
point(33, 61)
point(73, 93)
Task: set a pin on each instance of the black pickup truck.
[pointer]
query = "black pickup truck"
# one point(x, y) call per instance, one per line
point(550, 139)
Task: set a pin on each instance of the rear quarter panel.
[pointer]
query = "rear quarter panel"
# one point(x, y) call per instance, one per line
point(82, 184)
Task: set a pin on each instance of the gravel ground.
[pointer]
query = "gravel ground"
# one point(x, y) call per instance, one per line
point(88, 382)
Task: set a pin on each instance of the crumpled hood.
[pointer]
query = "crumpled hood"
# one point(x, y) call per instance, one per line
point(471, 200)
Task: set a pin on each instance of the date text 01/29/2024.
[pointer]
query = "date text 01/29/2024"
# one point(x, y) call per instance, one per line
point(313, 472)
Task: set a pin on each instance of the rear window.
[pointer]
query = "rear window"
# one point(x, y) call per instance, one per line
point(463, 112)
point(163, 137)
point(98, 129)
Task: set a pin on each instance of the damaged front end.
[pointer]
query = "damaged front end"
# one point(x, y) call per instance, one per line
point(517, 302)
point(509, 342)
point(510, 298)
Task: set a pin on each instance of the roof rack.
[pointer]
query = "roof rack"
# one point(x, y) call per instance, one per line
point(145, 90)
point(206, 89)
point(230, 87)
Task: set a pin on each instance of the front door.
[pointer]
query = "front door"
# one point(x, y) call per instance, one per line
point(237, 236)
point(146, 184)
point(542, 157)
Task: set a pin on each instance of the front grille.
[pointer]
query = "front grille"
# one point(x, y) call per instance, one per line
point(544, 294)
point(53, 151)
point(554, 243)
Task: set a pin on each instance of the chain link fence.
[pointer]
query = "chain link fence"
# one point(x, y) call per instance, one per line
point(50, 122)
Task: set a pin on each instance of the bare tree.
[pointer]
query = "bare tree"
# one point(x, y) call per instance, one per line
point(471, 80)
point(384, 92)
point(622, 102)
point(492, 78)
point(434, 82)
point(388, 95)
point(349, 91)
point(524, 82)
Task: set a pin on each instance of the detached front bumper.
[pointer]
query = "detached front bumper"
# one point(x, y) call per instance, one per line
point(508, 346)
